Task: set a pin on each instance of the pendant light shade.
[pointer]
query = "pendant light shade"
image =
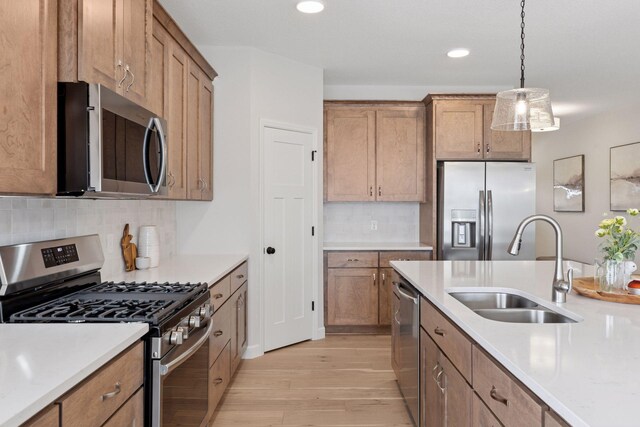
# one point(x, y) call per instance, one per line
point(516, 108)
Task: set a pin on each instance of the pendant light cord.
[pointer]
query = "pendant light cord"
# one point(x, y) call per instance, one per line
point(522, 45)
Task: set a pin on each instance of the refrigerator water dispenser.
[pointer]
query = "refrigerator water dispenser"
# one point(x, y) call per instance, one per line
point(463, 228)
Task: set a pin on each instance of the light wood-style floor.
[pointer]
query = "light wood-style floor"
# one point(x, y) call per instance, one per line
point(343, 380)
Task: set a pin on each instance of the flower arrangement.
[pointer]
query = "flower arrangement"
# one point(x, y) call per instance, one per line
point(620, 241)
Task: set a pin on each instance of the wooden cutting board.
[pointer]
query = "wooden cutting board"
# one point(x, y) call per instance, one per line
point(586, 287)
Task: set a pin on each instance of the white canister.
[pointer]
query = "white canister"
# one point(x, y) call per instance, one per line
point(149, 244)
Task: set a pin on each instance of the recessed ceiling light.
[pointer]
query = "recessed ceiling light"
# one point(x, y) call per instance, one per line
point(310, 6)
point(458, 53)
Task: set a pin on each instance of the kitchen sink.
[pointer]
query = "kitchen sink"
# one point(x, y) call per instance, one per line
point(524, 315)
point(508, 307)
point(492, 300)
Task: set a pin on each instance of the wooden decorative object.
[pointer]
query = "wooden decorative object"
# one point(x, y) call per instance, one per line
point(129, 250)
point(586, 287)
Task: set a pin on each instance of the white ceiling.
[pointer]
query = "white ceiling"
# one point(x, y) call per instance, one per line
point(585, 51)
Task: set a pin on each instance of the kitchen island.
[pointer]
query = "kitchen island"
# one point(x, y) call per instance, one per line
point(587, 372)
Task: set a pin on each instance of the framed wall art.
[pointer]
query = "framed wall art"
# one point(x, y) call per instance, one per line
point(568, 184)
point(624, 172)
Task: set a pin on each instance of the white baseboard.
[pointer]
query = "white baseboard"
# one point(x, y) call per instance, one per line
point(319, 334)
point(252, 352)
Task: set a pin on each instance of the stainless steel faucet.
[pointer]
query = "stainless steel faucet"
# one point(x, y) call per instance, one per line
point(560, 286)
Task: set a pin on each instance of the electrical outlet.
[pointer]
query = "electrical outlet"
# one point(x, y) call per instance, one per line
point(374, 225)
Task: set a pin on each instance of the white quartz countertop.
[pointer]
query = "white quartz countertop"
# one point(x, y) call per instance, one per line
point(376, 246)
point(185, 268)
point(41, 362)
point(588, 372)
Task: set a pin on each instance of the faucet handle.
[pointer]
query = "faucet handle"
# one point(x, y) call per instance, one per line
point(570, 279)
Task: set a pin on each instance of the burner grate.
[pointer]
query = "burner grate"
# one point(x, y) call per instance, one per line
point(146, 288)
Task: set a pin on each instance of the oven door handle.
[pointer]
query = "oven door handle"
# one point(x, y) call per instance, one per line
point(166, 369)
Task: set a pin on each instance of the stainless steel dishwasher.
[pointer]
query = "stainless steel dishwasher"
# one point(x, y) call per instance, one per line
point(406, 342)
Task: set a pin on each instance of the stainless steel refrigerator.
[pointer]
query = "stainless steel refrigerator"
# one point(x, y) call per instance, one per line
point(480, 205)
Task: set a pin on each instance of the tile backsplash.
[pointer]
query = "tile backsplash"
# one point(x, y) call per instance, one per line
point(24, 219)
point(351, 222)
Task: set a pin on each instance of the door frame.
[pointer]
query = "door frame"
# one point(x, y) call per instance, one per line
point(317, 331)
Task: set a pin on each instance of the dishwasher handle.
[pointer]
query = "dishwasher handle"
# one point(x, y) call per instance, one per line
point(403, 292)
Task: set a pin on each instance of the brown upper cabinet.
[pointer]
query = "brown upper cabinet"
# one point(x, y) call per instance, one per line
point(462, 130)
point(374, 152)
point(107, 42)
point(183, 94)
point(28, 85)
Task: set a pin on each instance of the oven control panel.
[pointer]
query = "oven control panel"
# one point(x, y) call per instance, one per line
point(59, 255)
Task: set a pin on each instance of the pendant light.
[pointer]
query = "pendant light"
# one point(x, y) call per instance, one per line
point(515, 107)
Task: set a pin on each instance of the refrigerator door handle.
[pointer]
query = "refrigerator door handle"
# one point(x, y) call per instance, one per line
point(481, 242)
point(489, 226)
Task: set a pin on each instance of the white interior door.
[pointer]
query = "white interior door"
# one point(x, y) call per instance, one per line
point(288, 195)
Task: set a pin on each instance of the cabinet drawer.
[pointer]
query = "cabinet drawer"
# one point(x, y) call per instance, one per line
point(452, 341)
point(482, 416)
point(386, 257)
point(131, 413)
point(221, 331)
point(48, 417)
point(551, 419)
point(239, 276)
point(511, 403)
point(219, 376)
point(220, 292)
point(352, 259)
point(95, 400)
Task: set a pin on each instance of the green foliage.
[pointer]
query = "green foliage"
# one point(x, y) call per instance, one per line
point(620, 241)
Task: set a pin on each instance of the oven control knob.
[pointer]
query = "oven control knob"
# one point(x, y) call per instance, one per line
point(175, 338)
point(184, 331)
point(205, 311)
point(194, 321)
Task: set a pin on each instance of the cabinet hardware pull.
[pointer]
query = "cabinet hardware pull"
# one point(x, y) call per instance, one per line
point(374, 279)
point(353, 260)
point(124, 76)
point(440, 386)
point(218, 381)
point(383, 277)
point(379, 190)
point(240, 276)
point(112, 393)
point(119, 65)
point(217, 333)
point(478, 148)
point(487, 148)
point(133, 79)
point(395, 317)
point(217, 296)
point(433, 371)
point(371, 190)
point(439, 331)
point(495, 396)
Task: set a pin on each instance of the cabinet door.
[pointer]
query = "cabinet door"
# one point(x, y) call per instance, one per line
point(48, 417)
point(350, 155)
point(385, 295)
point(352, 296)
point(400, 148)
point(28, 75)
point(457, 395)
point(129, 414)
point(176, 116)
point(194, 181)
point(137, 39)
point(100, 42)
point(500, 145)
point(483, 417)
point(431, 397)
point(238, 327)
point(158, 76)
point(458, 130)
point(206, 137)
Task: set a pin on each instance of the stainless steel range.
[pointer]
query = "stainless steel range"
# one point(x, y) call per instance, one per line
point(59, 281)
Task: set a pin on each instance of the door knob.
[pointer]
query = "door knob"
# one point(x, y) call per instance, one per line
point(271, 250)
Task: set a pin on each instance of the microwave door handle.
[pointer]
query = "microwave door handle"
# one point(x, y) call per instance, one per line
point(163, 154)
point(145, 153)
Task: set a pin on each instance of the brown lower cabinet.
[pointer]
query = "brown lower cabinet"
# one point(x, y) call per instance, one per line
point(461, 385)
point(48, 417)
point(358, 288)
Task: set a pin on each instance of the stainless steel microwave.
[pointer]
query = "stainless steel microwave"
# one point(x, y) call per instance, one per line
point(108, 146)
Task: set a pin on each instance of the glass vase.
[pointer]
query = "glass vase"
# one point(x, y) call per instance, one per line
point(610, 276)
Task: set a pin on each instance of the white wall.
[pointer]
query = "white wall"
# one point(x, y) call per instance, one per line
point(24, 219)
point(351, 222)
point(252, 86)
point(592, 137)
